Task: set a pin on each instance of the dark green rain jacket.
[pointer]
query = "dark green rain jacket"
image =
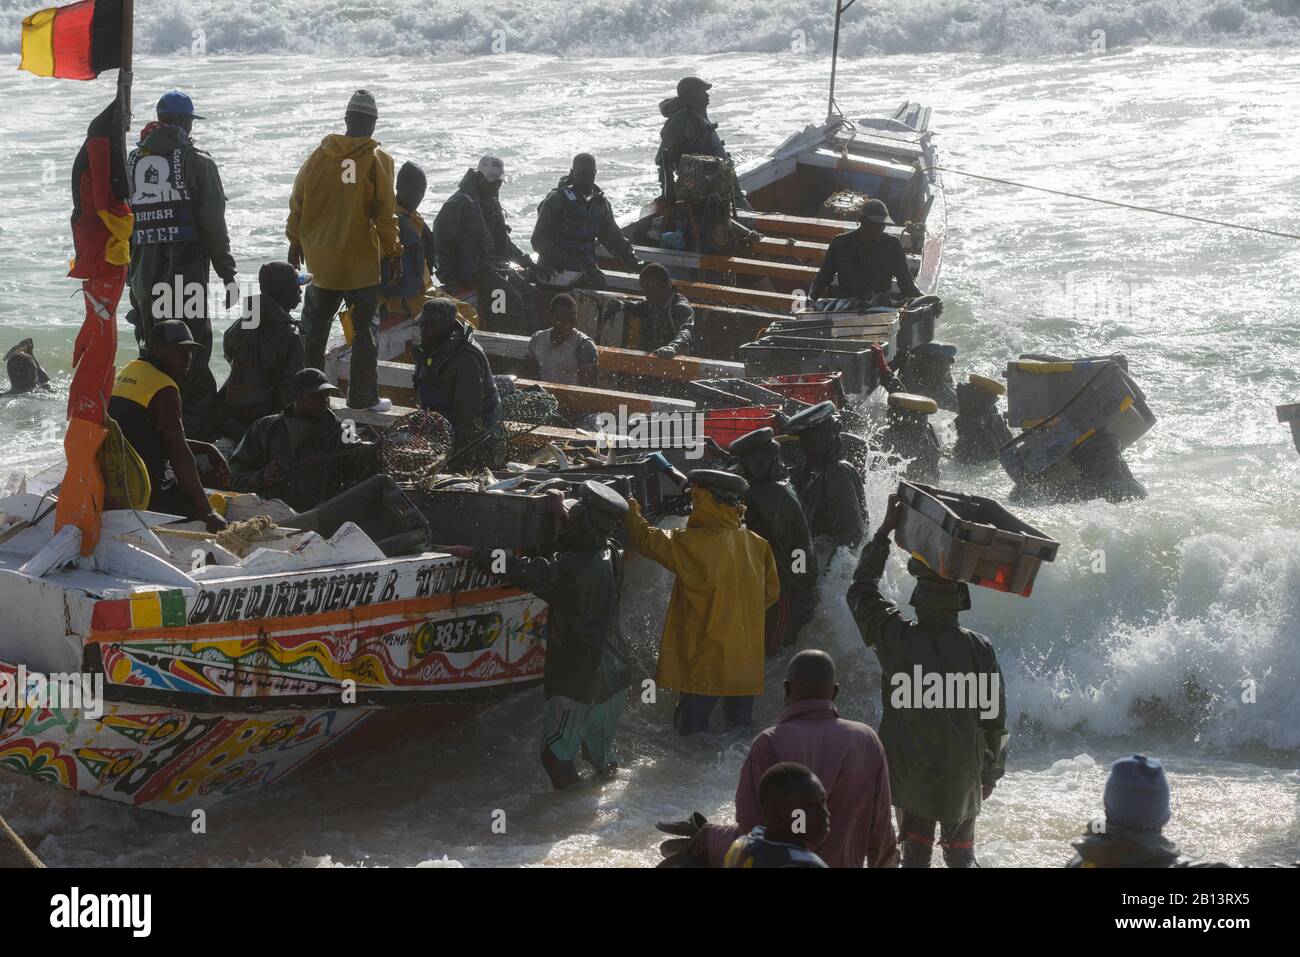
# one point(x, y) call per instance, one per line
point(773, 512)
point(938, 757)
point(263, 362)
point(586, 654)
point(288, 437)
point(831, 492)
point(1120, 846)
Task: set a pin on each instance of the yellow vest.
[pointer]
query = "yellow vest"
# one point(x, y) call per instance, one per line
point(140, 381)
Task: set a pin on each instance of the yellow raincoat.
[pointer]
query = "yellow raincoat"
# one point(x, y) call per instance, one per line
point(726, 580)
point(343, 212)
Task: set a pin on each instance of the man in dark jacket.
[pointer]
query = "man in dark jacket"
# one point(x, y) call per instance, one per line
point(473, 250)
point(571, 220)
point(773, 512)
point(452, 373)
point(944, 726)
point(829, 487)
point(688, 131)
point(909, 435)
point(866, 261)
point(588, 668)
point(179, 235)
point(281, 456)
point(264, 349)
point(1137, 809)
point(981, 427)
point(667, 318)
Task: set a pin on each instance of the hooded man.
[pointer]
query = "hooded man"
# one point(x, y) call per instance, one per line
point(146, 404)
point(588, 668)
point(343, 221)
point(1137, 809)
point(829, 487)
point(571, 220)
point(688, 131)
point(945, 725)
point(726, 578)
point(452, 373)
point(281, 455)
point(909, 435)
point(178, 237)
point(25, 372)
point(847, 754)
point(773, 512)
point(473, 250)
point(1096, 470)
point(265, 351)
point(865, 262)
point(406, 295)
point(981, 427)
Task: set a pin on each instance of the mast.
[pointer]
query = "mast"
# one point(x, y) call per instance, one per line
point(831, 109)
point(124, 71)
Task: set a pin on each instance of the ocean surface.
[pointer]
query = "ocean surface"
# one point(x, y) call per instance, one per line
point(1168, 626)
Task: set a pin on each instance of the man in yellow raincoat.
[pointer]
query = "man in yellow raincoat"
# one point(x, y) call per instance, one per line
point(726, 580)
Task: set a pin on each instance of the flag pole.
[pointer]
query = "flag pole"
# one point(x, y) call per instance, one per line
point(124, 71)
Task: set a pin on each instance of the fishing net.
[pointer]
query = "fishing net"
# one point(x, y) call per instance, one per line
point(702, 178)
point(414, 448)
point(845, 204)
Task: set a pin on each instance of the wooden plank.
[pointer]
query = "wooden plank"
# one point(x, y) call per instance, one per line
point(801, 227)
point(828, 158)
point(708, 292)
point(627, 361)
point(728, 264)
point(804, 250)
point(395, 384)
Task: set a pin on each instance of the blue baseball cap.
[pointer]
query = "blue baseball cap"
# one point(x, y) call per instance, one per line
point(178, 103)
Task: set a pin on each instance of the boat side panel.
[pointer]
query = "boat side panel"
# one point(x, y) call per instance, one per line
point(45, 623)
point(164, 759)
point(437, 625)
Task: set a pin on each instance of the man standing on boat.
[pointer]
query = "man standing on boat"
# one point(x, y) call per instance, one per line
point(178, 237)
point(571, 220)
point(474, 252)
point(588, 668)
point(773, 512)
point(829, 487)
point(865, 262)
point(945, 756)
point(146, 404)
point(688, 131)
point(712, 643)
point(343, 220)
point(294, 454)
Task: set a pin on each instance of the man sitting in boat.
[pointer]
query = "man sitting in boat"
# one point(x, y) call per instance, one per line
point(588, 668)
point(667, 320)
point(473, 250)
point(688, 131)
point(264, 349)
point(25, 372)
point(865, 262)
point(829, 487)
point(146, 404)
point(571, 220)
point(452, 374)
point(293, 455)
point(562, 353)
point(773, 512)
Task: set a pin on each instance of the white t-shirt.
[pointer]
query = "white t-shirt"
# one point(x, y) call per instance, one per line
point(561, 363)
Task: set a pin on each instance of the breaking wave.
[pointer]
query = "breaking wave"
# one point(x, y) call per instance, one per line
point(581, 28)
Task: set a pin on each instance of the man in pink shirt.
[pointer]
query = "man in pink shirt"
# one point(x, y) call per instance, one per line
point(845, 755)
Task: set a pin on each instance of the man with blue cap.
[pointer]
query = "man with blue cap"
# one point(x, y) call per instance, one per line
point(178, 237)
point(1137, 809)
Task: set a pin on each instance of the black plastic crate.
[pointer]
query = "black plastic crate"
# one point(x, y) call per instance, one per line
point(488, 519)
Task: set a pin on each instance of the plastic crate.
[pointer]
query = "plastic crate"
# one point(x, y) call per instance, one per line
point(724, 426)
point(775, 356)
point(809, 387)
point(488, 519)
point(971, 539)
point(916, 327)
point(1038, 386)
point(1110, 404)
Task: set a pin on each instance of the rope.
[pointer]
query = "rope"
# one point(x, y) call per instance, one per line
point(239, 537)
point(23, 849)
point(1111, 202)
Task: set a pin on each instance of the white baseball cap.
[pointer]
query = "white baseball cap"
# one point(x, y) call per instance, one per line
point(492, 169)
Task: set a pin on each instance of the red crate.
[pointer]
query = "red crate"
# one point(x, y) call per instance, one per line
point(811, 387)
point(724, 426)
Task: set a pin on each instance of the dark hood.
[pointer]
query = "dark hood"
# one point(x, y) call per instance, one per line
point(937, 600)
point(764, 465)
point(822, 443)
point(1123, 847)
point(469, 183)
point(972, 400)
point(163, 138)
point(675, 104)
point(585, 530)
point(462, 334)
